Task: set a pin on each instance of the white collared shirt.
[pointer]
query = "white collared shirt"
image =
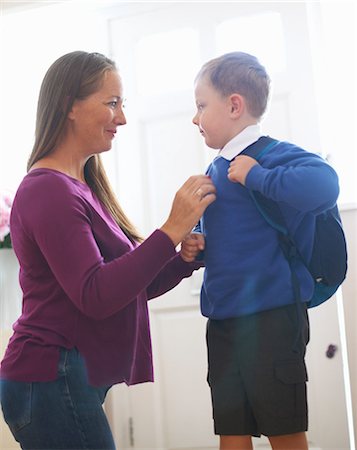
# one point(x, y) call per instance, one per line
point(241, 141)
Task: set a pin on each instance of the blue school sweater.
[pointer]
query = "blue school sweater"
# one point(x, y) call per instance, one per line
point(245, 269)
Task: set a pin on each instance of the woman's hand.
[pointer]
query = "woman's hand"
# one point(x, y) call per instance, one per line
point(191, 246)
point(239, 168)
point(188, 206)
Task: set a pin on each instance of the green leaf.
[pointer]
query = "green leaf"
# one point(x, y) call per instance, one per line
point(6, 243)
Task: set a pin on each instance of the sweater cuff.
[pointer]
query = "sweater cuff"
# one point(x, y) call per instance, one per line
point(166, 246)
point(255, 178)
point(194, 265)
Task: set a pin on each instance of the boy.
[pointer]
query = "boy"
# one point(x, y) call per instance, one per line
point(256, 332)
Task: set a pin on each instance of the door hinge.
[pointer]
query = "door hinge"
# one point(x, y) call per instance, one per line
point(131, 432)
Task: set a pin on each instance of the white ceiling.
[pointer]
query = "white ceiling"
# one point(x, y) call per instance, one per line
point(9, 6)
point(13, 6)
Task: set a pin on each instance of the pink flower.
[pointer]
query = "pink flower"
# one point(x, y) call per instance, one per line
point(5, 209)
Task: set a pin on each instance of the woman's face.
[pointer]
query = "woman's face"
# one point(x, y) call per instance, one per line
point(94, 121)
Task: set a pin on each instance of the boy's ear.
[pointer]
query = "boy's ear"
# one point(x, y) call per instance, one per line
point(237, 105)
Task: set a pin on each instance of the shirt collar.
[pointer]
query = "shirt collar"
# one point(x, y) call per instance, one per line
point(241, 141)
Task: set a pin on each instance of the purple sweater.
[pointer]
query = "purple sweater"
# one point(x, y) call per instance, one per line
point(84, 284)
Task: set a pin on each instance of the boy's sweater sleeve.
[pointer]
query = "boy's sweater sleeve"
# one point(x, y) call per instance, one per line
point(306, 183)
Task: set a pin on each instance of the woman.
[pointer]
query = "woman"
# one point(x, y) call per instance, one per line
point(85, 273)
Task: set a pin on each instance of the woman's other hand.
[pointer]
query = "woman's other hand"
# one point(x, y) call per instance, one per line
point(191, 246)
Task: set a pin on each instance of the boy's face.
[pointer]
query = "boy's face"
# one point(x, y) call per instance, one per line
point(213, 116)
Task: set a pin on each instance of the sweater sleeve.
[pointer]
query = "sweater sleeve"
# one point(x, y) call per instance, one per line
point(174, 271)
point(300, 179)
point(58, 224)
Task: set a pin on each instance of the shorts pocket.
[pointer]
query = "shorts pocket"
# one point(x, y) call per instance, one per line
point(16, 400)
point(291, 378)
point(291, 372)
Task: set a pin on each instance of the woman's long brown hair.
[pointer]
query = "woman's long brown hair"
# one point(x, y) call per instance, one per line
point(75, 75)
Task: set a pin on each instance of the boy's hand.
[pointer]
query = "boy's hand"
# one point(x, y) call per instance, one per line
point(239, 168)
point(191, 246)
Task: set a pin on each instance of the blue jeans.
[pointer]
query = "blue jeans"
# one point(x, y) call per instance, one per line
point(63, 414)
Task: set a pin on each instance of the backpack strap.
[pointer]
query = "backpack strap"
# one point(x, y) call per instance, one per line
point(267, 208)
point(260, 147)
point(272, 214)
point(274, 217)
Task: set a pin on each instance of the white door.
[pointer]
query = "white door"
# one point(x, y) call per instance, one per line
point(159, 49)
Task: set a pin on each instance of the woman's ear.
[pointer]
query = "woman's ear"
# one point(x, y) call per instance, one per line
point(237, 105)
point(70, 115)
point(71, 112)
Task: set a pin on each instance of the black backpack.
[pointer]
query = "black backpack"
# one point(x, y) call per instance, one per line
point(328, 263)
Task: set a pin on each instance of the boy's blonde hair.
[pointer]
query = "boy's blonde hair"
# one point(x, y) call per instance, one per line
point(240, 73)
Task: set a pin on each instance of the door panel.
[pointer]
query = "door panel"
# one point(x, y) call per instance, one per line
point(171, 156)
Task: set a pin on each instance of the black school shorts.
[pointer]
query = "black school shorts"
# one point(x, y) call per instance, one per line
point(257, 373)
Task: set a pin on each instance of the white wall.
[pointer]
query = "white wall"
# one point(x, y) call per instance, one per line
point(334, 55)
point(30, 41)
point(50, 31)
